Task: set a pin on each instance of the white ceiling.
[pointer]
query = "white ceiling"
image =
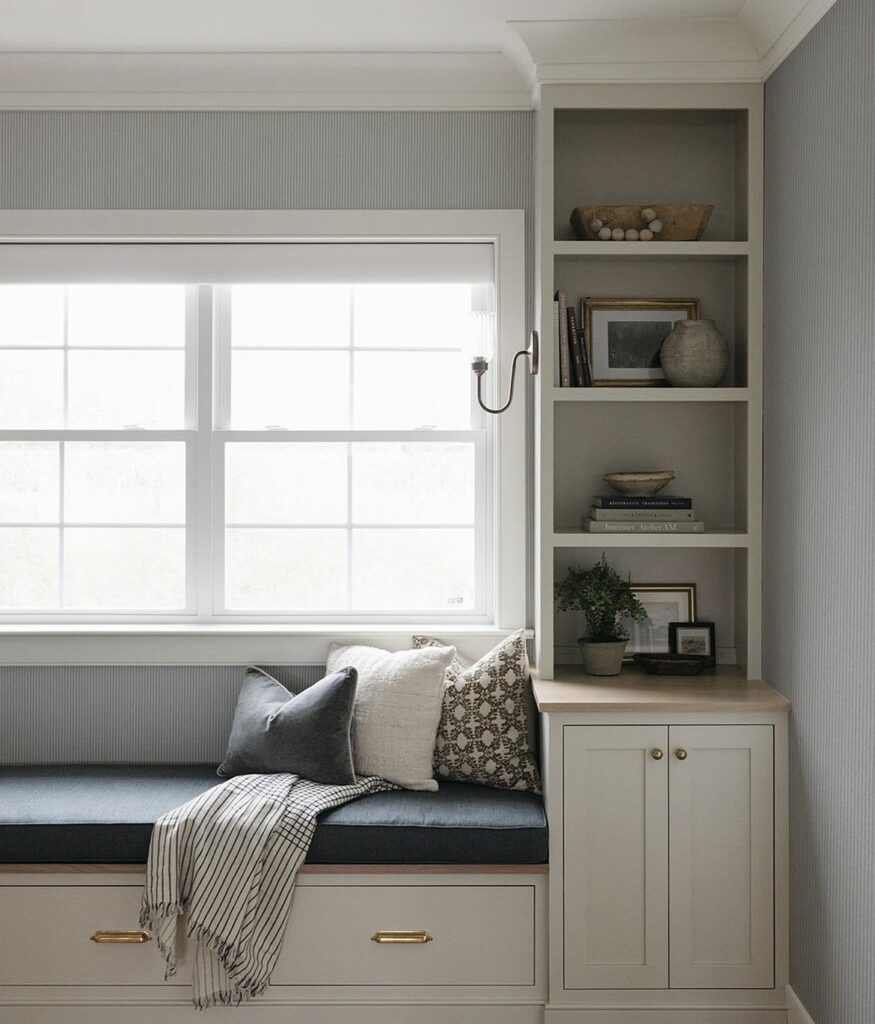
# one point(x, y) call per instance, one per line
point(376, 53)
point(295, 25)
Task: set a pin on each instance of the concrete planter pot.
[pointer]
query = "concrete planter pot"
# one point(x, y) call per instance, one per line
point(602, 659)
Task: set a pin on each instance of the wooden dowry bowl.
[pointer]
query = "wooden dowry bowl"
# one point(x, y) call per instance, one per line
point(681, 222)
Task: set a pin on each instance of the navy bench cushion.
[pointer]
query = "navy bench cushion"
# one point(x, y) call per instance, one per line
point(103, 814)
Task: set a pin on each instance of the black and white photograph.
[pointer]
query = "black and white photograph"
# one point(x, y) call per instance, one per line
point(665, 603)
point(624, 337)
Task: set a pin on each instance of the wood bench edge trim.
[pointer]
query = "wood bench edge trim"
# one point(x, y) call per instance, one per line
point(308, 869)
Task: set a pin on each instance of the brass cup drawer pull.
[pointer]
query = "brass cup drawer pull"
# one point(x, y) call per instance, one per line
point(402, 938)
point(124, 937)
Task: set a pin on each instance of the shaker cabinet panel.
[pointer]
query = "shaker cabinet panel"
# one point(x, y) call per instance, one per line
point(721, 836)
point(615, 857)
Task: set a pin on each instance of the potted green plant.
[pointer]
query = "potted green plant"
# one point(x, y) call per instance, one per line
point(605, 598)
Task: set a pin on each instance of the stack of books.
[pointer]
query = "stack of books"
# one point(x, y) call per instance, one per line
point(658, 513)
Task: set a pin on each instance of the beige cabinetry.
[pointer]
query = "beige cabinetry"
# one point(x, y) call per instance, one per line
point(668, 850)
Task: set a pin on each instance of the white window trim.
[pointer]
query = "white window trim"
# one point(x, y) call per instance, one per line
point(62, 641)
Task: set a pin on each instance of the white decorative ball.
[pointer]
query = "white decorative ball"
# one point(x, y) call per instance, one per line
point(618, 234)
point(605, 234)
point(631, 235)
point(648, 215)
point(596, 225)
point(655, 226)
point(645, 235)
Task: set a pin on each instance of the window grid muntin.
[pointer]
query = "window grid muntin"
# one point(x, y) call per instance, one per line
point(61, 526)
point(482, 607)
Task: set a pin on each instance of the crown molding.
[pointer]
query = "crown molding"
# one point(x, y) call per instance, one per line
point(263, 81)
point(777, 27)
point(743, 49)
point(661, 50)
point(534, 53)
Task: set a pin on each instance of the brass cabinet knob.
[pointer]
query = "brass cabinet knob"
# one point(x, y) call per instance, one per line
point(680, 754)
point(656, 754)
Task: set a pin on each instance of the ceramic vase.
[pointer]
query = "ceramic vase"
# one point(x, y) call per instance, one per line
point(694, 355)
point(602, 659)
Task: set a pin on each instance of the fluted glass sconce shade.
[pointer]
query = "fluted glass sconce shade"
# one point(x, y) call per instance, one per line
point(482, 341)
point(481, 323)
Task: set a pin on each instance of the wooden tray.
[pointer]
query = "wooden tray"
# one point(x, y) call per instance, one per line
point(684, 222)
point(674, 664)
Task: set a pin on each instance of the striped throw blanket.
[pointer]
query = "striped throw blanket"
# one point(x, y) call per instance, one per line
point(228, 860)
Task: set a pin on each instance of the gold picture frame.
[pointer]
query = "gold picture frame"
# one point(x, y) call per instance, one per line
point(670, 603)
point(606, 338)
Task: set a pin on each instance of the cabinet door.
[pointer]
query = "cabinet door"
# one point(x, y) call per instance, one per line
point(721, 797)
point(615, 858)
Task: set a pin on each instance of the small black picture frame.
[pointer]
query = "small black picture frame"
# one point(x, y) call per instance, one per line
point(693, 638)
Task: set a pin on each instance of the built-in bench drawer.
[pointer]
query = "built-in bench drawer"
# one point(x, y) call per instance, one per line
point(45, 937)
point(445, 935)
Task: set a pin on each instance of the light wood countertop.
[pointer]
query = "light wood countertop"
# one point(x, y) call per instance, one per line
point(724, 690)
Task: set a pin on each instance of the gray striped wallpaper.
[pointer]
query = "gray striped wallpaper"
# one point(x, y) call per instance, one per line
point(300, 160)
point(135, 714)
point(820, 495)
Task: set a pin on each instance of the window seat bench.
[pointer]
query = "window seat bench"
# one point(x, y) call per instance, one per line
point(464, 868)
point(104, 814)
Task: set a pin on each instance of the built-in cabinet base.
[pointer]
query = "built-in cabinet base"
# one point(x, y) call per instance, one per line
point(668, 851)
point(568, 1015)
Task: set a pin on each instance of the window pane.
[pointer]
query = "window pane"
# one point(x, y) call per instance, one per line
point(119, 315)
point(411, 390)
point(28, 568)
point(413, 570)
point(309, 315)
point(124, 569)
point(120, 389)
point(294, 390)
point(413, 483)
point(285, 570)
point(31, 314)
point(411, 315)
point(286, 483)
point(29, 482)
point(31, 390)
point(124, 482)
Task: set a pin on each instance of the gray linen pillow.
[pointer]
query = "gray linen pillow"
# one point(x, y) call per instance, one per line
point(307, 734)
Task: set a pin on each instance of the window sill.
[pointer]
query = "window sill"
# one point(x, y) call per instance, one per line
point(217, 643)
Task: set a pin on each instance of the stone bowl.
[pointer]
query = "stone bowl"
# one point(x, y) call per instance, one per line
point(639, 485)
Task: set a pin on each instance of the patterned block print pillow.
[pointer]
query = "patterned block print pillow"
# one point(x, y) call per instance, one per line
point(484, 731)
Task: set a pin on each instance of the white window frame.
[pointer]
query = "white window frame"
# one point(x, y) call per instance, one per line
point(502, 228)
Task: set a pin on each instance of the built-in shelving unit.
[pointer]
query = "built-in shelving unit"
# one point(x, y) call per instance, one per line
point(654, 144)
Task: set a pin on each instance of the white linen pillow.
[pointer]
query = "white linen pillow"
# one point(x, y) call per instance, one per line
point(397, 710)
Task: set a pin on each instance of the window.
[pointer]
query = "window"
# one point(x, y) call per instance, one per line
point(247, 432)
point(90, 518)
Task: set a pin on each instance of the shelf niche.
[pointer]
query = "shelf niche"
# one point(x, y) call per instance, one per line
point(719, 285)
point(621, 157)
point(705, 444)
point(720, 577)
